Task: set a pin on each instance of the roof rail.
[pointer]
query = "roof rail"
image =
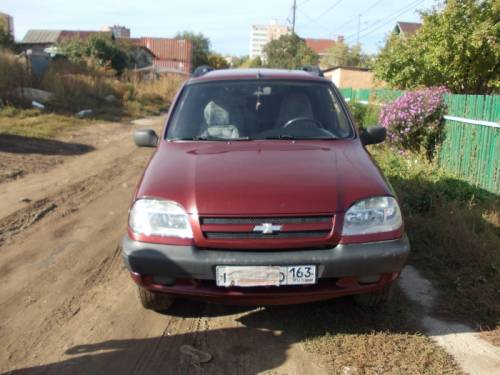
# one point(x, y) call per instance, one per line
point(313, 69)
point(201, 71)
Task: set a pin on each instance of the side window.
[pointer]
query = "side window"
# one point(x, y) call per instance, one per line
point(342, 127)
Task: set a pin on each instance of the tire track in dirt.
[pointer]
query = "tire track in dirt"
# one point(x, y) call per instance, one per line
point(60, 211)
point(65, 201)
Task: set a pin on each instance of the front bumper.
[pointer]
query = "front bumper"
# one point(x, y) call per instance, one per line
point(192, 270)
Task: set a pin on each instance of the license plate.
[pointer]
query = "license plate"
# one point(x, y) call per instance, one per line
point(246, 276)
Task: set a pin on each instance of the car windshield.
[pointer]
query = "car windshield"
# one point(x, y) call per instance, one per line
point(250, 110)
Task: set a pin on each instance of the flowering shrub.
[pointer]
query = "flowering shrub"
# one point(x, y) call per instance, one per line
point(414, 120)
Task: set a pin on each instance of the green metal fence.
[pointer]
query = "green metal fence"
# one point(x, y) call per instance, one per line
point(471, 146)
point(472, 150)
point(374, 95)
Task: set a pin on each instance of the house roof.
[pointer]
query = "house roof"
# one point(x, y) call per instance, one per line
point(320, 46)
point(41, 36)
point(56, 36)
point(167, 48)
point(407, 28)
point(346, 68)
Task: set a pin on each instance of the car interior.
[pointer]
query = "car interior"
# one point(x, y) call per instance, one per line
point(255, 110)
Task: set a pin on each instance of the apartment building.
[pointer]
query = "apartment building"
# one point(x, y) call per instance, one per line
point(7, 23)
point(260, 35)
point(118, 31)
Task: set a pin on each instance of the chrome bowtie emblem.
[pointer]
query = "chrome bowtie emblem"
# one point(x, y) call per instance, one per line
point(267, 228)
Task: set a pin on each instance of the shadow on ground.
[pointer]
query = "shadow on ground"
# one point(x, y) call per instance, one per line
point(257, 344)
point(27, 145)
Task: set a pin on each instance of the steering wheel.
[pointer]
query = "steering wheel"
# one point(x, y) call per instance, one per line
point(302, 118)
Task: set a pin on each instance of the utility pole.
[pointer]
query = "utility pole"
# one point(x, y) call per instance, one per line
point(294, 11)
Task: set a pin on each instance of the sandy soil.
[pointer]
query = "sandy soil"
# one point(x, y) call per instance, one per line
point(69, 307)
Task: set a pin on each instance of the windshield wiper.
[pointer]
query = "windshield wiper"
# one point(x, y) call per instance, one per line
point(280, 136)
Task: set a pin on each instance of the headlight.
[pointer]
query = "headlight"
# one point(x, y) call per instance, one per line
point(372, 215)
point(159, 218)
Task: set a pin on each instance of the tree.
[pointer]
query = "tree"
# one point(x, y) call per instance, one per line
point(97, 51)
point(342, 54)
point(216, 61)
point(289, 52)
point(256, 62)
point(238, 61)
point(6, 40)
point(201, 47)
point(458, 47)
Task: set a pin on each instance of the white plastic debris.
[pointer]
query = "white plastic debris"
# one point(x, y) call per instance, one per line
point(111, 98)
point(84, 113)
point(35, 104)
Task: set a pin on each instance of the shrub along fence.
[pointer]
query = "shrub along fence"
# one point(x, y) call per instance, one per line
point(471, 146)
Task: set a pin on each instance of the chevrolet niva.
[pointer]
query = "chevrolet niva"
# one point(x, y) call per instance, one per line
point(261, 192)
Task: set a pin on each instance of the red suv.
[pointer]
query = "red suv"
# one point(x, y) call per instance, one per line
point(261, 192)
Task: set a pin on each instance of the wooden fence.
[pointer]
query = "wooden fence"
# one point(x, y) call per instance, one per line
point(471, 147)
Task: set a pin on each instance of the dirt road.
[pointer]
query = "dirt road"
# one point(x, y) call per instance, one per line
point(67, 305)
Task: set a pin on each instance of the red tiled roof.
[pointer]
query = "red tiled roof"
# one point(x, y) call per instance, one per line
point(169, 53)
point(409, 28)
point(320, 45)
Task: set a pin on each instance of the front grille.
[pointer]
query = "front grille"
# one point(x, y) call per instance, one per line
point(260, 220)
point(292, 227)
point(254, 235)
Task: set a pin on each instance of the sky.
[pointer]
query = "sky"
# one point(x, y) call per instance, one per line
point(226, 22)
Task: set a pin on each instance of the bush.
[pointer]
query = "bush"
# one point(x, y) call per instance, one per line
point(13, 74)
point(98, 51)
point(152, 96)
point(365, 115)
point(414, 120)
point(76, 87)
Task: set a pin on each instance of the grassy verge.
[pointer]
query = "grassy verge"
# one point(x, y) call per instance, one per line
point(454, 233)
point(74, 87)
point(140, 99)
point(36, 124)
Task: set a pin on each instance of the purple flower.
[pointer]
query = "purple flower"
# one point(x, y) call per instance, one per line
point(414, 116)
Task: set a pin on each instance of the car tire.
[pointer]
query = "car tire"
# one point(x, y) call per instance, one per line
point(376, 298)
point(158, 302)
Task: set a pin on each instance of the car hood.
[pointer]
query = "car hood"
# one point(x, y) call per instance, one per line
point(262, 177)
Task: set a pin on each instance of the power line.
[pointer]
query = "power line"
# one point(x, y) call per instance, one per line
point(327, 11)
point(396, 13)
point(393, 17)
point(375, 26)
point(313, 20)
point(377, 2)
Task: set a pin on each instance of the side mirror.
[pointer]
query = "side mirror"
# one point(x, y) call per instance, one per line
point(145, 138)
point(373, 135)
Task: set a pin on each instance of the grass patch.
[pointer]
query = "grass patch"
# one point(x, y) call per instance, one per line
point(36, 124)
point(454, 232)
